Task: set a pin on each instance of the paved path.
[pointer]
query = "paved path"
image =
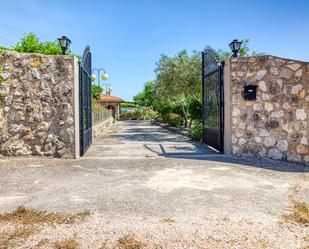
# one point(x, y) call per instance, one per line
point(141, 170)
point(139, 139)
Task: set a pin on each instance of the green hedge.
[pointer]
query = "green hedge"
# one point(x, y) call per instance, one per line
point(172, 119)
point(196, 131)
point(128, 105)
point(137, 115)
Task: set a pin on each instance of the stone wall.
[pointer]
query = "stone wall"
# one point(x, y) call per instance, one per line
point(99, 129)
point(276, 124)
point(36, 109)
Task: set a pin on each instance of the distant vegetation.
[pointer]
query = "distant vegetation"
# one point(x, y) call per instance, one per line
point(96, 91)
point(144, 114)
point(129, 105)
point(176, 93)
point(30, 43)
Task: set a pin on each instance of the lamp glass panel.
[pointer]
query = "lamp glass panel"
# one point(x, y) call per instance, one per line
point(237, 45)
point(63, 42)
point(232, 46)
point(68, 43)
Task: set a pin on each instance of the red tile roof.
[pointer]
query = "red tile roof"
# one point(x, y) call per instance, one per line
point(109, 98)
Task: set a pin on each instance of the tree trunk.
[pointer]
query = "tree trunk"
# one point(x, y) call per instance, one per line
point(185, 115)
point(190, 123)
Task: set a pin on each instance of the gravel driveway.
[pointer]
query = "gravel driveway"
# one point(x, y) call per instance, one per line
point(145, 180)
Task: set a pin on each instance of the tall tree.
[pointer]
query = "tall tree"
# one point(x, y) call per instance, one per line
point(146, 97)
point(179, 79)
point(177, 87)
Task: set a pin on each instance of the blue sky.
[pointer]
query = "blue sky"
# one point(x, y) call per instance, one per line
point(127, 36)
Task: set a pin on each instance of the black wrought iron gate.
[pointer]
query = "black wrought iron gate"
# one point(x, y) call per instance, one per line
point(213, 99)
point(85, 101)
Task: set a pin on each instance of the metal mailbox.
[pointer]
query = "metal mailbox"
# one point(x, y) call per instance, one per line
point(250, 92)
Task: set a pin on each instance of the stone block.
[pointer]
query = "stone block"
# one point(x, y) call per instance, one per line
point(275, 153)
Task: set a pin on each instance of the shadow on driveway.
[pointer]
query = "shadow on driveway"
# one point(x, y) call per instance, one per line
point(145, 137)
point(201, 152)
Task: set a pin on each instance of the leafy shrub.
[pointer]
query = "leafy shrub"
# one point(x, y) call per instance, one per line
point(163, 108)
point(212, 122)
point(128, 105)
point(195, 109)
point(30, 43)
point(96, 106)
point(149, 114)
point(125, 116)
point(137, 115)
point(96, 91)
point(174, 120)
point(196, 131)
point(2, 49)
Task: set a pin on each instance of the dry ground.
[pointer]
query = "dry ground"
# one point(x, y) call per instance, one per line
point(56, 230)
point(140, 186)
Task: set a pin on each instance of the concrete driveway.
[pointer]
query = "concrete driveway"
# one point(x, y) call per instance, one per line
point(143, 170)
point(164, 190)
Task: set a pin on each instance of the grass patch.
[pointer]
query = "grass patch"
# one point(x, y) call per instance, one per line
point(42, 244)
point(168, 220)
point(10, 239)
point(27, 221)
point(26, 216)
point(128, 242)
point(1, 100)
point(299, 212)
point(66, 244)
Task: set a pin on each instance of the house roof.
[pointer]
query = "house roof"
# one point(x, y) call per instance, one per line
point(109, 98)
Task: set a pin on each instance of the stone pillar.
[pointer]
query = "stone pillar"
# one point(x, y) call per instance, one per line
point(227, 107)
point(276, 123)
point(39, 105)
point(76, 104)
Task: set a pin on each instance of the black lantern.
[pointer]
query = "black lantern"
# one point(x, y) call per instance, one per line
point(235, 47)
point(64, 43)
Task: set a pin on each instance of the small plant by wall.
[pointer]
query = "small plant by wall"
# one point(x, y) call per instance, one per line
point(196, 131)
point(1, 82)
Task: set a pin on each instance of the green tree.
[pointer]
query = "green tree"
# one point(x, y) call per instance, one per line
point(96, 91)
point(177, 87)
point(179, 79)
point(147, 96)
